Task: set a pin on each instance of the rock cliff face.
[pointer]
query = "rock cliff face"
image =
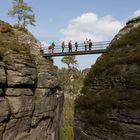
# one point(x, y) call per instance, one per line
point(109, 107)
point(30, 97)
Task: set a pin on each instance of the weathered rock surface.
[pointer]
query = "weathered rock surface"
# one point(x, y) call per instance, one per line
point(109, 107)
point(30, 97)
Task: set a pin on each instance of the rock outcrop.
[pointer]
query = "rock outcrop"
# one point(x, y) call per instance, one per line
point(30, 97)
point(109, 107)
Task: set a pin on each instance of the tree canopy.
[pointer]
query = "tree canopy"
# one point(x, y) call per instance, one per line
point(23, 13)
point(69, 61)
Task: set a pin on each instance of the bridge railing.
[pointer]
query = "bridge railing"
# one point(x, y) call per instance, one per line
point(81, 47)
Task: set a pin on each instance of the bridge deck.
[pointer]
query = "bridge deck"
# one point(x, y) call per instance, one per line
point(74, 53)
point(97, 48)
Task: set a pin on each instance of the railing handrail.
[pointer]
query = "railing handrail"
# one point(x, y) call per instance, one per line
point(97, 47)
point(82, 45)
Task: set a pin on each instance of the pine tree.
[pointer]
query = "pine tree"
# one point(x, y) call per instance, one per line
point(23, 13)
point(69, 60)
point(16, 10)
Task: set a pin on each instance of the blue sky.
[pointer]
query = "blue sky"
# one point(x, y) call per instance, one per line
point(76, 20)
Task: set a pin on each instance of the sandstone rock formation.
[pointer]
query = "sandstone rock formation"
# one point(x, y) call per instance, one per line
point(30, 97)
point(109, 107)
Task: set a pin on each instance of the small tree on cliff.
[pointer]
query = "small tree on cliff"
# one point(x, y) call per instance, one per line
point(69, 61)
point(23, 13)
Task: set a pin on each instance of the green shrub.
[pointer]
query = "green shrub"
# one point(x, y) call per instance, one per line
point(5, 28)
point(6, 46)
point(8, 41)
point(97, 107)
point(20, 28)
point(67, 120)
point(133, 79)
point(125, 51)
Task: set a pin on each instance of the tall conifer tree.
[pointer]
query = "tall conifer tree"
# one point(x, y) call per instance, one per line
point(23, 13)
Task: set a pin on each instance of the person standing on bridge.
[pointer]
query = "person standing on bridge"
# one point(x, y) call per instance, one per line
point(86, 44)
point(76, 46)
point(90, 44)
point(70, 46)
point(63, 46)
point(53, 45)
point(49, 48)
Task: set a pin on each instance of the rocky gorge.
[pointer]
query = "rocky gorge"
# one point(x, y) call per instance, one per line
point(31, 100)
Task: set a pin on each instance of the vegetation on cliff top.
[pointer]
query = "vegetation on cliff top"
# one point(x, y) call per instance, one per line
point(9, 40)
point(122, 59)
point(125, 51)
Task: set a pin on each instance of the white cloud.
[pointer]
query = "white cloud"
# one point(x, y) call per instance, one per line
point(136, 13)
point(89, 25)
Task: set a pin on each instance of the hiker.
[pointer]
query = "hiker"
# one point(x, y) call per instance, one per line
point(50, 48)
point(53, 45)
point(76, 46)
point(70, 46)
point(86, 44)
point(63, 46)
point(90, 44)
